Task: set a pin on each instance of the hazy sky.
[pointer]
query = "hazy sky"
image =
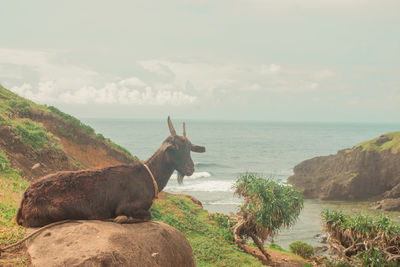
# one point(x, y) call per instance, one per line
point(305, 60)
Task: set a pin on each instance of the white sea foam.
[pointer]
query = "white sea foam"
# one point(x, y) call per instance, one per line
point(224, 203)
point(195, 175)
point(206, 186)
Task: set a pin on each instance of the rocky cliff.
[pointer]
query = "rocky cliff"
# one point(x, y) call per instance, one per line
point(368, 171)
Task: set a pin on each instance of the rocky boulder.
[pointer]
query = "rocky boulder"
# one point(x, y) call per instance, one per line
point(98, 243)
point(389, 204)
point(368, 171)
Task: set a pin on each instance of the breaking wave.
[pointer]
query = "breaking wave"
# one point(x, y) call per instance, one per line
point(195, 175)
point(204, 186)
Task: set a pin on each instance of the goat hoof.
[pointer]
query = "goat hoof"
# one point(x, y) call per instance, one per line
point(134, 220)
point(121, 219)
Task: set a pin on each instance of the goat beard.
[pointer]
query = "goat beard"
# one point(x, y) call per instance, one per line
point(180, 177)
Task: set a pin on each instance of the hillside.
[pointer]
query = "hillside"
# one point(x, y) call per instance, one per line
point(368, 171)
point(39, 139)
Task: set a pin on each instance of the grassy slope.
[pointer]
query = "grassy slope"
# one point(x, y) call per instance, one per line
point(392, 143)
point(11, 188)
point(13, 109)
point(209, 237)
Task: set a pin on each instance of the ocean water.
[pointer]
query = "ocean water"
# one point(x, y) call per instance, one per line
point(232, 148)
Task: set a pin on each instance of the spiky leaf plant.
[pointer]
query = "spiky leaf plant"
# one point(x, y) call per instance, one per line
point(268, 206)
point(366, 240)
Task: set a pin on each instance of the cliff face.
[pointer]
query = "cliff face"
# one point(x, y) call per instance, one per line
point(38, 140)
point(368, 171)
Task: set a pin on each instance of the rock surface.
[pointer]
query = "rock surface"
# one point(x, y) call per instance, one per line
point(369, 171)
point(98, 243)
point(389, 204)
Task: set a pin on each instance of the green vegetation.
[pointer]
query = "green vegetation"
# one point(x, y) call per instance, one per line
point(362, 239)
point(72, 120)
point(211, 240)
point(4, 164)
point(14, 111)
point(78, 164)
point(118, 147)
point(268, 206)
point(34, 134)
point(389, 141)
point(302, 249)
point(89, 130)
point(11, 188)
point(276, 247)
point(11, 104)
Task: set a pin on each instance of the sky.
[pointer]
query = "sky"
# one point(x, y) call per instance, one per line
point(298, 60)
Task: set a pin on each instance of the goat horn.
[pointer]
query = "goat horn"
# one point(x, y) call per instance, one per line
point(184, 130)
point(171, 127)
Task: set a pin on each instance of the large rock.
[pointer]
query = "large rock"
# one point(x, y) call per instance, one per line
point(389, 204)
point(98, 243)
point(369, 171)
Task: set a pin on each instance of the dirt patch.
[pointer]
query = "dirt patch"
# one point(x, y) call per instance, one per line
point(88, 150)
point(79, 149)
point(24, 157)
point(278, 259)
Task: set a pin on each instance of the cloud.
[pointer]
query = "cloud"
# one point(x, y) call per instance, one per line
point(44, 78)
point(39, 76)
point(210, 78)
point(130, 91)
point(161, 82)
point(42, 93)
point(269, 69)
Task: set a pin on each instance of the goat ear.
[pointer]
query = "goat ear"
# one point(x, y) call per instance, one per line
point(198, 149)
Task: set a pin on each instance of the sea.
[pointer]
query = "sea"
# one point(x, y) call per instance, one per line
point(235, 147)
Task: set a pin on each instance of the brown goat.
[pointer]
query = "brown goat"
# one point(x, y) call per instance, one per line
point(122, 192)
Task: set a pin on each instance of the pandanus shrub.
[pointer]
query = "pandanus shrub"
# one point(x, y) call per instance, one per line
point(268, 206)
point(362, 239)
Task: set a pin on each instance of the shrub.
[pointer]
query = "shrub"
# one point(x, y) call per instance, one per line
point(268, 206)
point(374, 240)
point(302, 249)
point(21, 106)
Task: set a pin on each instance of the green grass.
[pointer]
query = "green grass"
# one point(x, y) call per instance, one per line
point(34, 134)
point(89, 130)
point(11, 188)
point(72, 120)
point(4, 164)
point(118, 147)
point(392, 143)
point(14, 110)
point(211, 240)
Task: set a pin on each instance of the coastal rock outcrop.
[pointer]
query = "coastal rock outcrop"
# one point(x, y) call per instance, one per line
point(99, 243)
point(368, 171)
